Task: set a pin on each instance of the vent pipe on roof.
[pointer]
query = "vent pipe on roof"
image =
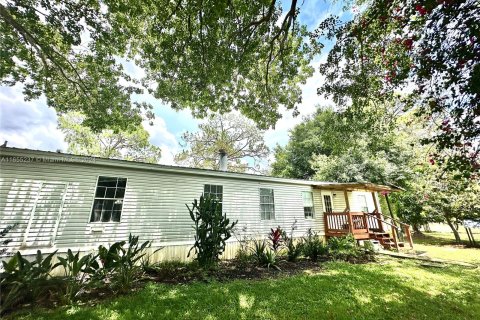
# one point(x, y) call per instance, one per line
point(223, 160)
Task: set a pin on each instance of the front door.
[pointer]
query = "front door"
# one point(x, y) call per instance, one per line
point(45, 215)
point(327, 202)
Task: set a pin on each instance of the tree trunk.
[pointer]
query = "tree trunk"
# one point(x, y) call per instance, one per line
point(455, 231)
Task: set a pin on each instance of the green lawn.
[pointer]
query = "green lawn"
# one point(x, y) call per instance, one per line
point(442, 245)
point(390, 289)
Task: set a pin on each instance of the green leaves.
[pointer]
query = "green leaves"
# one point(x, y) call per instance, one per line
point(120, 264)
point(3, 233)
point(212, 230)
point(23, 280)
point(328, 147)
point(426, 49)
point(206, 56)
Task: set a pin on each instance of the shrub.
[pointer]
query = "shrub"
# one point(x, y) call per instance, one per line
point(262, 255)
point(24, 281)
point(77, 271)
point(269, 260)
point(243, 255)
point(294, 248)
point(259, 249)
point(121, 265)
point(343, 248)
point(4, 242)
point(313, 246)
point(212, 230)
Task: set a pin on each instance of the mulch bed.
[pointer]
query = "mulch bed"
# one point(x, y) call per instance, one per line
point(232, 270)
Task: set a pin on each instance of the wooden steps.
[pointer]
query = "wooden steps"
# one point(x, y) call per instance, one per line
point(385, 239)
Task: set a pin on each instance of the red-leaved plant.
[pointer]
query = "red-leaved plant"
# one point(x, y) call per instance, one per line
point(275, 238)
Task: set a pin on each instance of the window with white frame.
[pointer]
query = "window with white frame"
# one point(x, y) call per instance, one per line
point(327, 201)
point(267, 204)
point(215, 191)
point(108, 203)
point(362, 202)
point(308, 210)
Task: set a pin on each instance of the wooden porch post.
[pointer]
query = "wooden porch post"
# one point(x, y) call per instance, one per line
point(347, 210)
point(390, 210)
point(377, 212)
point(409, 235)
point(394, 228)
point(347, 204)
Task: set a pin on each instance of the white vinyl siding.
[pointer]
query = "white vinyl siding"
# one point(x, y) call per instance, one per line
point(153, 205)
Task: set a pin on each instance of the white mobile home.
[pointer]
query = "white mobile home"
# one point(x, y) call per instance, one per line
point(62, 201)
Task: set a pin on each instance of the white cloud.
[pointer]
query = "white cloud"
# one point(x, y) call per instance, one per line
point(161, 137)
point(33, 125)
point(28, 124)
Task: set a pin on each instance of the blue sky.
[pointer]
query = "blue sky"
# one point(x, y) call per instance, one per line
point(31, 124)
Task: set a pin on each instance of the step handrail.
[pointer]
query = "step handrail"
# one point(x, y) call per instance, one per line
point(382, 221)
point(394, 228)
point(404, 225)
point(393, 219)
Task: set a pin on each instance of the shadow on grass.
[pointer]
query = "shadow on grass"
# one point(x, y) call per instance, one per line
point(441, 239)
point(342, 291)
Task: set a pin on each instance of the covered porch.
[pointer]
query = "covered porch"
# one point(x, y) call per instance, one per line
point(362, 224)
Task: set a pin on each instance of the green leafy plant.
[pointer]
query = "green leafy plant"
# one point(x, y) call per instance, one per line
point(343, 248)
point(262, 255)
point(294, 247)
point(121, 265)
point(313, 246)
point(243, 255)
point(5, 242)
point(212, 230)
point(259, 249)
point(24, 281)
point(269, 260)
point(77, 272)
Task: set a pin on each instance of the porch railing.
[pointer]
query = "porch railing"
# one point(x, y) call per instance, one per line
point(361, 224)
point(342, 223)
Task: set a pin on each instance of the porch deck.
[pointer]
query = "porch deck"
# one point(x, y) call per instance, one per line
point(363, 226)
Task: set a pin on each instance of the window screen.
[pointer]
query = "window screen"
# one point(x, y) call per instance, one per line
point(307, 204)
point(108, 202)
point(214, 191)
point(267, 204)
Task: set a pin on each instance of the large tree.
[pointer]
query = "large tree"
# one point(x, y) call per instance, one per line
point(239, 137)
point(427, 49)
point(217, 55)
point(131, 144)
point(326, 147)
point(310, 137)
point(436, 195)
